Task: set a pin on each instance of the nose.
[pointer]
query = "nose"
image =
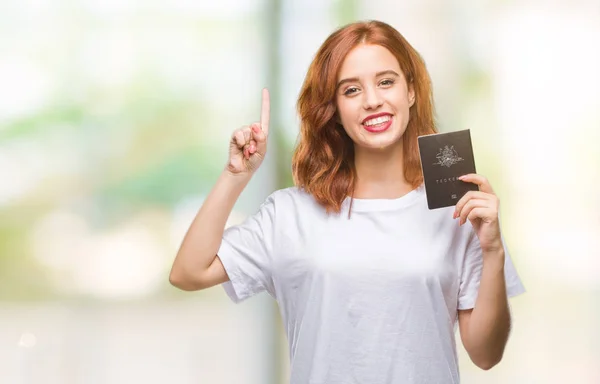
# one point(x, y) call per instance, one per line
point(372, 98)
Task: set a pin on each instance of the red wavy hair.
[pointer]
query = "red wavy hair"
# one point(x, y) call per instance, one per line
point(323, 160)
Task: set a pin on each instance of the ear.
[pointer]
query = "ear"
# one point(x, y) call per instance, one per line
point(411, 95)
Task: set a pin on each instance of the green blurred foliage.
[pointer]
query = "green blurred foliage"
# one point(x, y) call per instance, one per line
point(143, 154)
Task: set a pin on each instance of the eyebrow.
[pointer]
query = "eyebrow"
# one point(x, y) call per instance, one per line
point(355, 79)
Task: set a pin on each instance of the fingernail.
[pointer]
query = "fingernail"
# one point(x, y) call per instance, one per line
point(255, 128)
point(461, 177)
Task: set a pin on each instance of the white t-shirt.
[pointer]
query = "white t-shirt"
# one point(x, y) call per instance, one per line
point(370, 299)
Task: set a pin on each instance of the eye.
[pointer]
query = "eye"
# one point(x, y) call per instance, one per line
point(350, 90)
point(387, 82)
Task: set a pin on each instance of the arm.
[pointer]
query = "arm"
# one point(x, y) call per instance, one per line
point(484, 329)
point(196, 264)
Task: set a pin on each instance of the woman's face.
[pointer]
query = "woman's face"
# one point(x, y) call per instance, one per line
point(373, 98)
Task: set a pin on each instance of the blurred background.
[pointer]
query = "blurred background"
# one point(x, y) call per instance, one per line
point(114, 124)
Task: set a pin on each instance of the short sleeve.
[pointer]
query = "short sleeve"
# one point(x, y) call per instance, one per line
point(246, 253)
point(471, 274)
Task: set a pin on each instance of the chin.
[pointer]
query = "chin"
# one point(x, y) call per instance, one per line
point(379, 144)
point(381, 141)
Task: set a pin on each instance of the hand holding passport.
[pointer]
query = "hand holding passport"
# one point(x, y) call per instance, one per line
point(444, 158)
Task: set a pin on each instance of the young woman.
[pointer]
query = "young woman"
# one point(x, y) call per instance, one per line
point(370, 282)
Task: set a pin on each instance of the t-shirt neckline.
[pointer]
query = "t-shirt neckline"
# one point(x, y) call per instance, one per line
point(364, 205)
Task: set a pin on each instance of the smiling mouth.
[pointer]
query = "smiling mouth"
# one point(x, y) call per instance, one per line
point(378, 124)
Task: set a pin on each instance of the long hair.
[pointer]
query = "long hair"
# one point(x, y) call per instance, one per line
point(323, 160)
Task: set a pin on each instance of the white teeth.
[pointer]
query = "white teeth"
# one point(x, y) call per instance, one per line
point(378, 120)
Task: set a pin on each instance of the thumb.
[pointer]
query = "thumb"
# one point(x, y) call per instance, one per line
point(259, 136)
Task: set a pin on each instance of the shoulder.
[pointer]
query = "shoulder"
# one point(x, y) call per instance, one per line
point(290, 196)
point(291, 203)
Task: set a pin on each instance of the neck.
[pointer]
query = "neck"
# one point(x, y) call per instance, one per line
point(380, 173)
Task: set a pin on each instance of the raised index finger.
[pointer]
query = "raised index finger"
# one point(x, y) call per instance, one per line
point(265, 111)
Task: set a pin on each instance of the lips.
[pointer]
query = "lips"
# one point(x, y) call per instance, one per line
point(375, 116)
point(379, 127)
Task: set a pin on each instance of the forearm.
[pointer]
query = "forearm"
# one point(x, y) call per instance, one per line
point(489, 325)
point(203, 238)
